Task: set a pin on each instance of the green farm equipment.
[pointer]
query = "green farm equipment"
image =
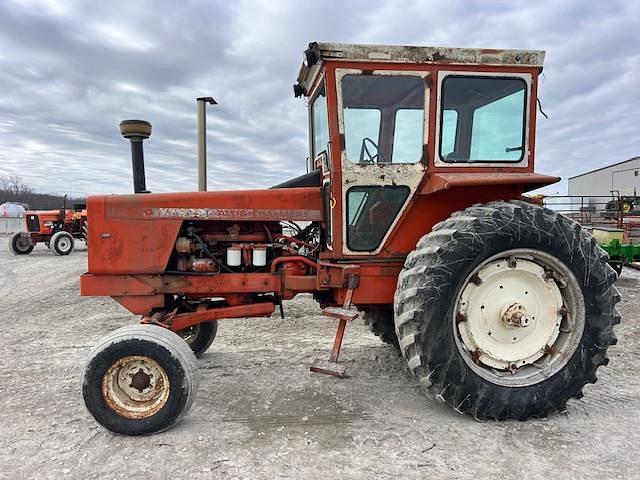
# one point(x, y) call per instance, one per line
point(621, 254)
point(612, 241)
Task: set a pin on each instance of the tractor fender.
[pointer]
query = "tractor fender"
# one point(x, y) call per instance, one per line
point(525, 181)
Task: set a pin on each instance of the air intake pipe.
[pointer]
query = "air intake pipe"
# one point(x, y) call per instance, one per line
point(201, 103)
point(137, 131)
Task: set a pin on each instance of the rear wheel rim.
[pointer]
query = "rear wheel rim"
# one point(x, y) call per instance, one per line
point(135, 387)
point(22, 244)
point(519, 317)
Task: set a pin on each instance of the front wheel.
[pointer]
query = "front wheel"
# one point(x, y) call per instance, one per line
point(506, 310)
point(140, 379)
point(62, 243)
point(20, 244)
point(199, 337)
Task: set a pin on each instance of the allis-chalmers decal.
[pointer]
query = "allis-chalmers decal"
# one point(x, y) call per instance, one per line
point(231, 213)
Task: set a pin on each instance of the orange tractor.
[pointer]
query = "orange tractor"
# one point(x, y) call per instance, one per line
point(411, 212)
point(58, 229)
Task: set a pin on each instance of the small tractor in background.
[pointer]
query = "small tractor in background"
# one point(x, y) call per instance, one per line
point(622, 204)
point(58, 229)
point(413, 215)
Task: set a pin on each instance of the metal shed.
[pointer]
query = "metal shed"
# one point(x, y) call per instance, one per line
point(623, 176)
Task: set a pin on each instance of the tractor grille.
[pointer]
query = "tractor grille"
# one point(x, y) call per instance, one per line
point(33, 223)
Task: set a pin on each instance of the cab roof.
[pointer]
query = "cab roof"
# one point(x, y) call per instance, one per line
point(319, 52)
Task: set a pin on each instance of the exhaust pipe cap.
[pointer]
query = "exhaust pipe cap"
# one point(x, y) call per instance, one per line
point(135, 129)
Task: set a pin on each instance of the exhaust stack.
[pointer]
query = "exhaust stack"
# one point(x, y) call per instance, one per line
point(137, 131)
point(202, 141)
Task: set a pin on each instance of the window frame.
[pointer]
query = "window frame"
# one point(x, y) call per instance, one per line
point(422, 74)
point(392, 223)
point(524, 159)
point(312, 133)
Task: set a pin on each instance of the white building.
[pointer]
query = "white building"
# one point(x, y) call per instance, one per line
point(11, 217)
point(12, 210)
point(623, 176)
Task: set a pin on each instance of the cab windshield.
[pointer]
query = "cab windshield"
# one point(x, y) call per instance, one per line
point(383, 118)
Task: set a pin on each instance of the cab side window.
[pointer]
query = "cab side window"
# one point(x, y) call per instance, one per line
point(482, 119)
point(320, 123)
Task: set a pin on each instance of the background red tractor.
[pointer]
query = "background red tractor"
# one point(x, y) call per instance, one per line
point(58, 229)
point(413, 213)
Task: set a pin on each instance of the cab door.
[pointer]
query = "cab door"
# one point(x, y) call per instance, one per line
point(383, 129)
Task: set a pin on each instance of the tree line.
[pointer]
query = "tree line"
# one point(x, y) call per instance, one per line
point(14, 190)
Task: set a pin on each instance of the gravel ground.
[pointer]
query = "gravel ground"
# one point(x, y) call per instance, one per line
point(260, 413)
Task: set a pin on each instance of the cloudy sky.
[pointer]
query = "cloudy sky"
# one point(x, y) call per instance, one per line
point(70, 71)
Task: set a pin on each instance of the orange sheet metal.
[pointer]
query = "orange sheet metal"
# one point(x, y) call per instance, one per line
point(119, 285)
point(445, 181)
point(135, 234)
point(185, 320)
point(303, 204)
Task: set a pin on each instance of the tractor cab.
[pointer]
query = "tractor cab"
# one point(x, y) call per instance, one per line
point(389, 124)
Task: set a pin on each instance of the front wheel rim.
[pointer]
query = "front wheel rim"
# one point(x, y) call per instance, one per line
point(519, 317)
point(135, 387)
point(64, 244)
point(190, 334)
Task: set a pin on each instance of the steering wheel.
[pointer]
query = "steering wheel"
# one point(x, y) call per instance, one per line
point(366, 156)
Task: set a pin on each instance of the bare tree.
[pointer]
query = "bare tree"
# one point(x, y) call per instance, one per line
point(13, 184)
point(13, 189)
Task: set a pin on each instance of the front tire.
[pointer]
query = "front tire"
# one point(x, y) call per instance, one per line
point(62, 243)
point(19, 244)
point(199, 337)
point(506, 310)
point(139, 380)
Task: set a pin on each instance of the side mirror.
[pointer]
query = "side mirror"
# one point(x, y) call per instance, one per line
point(321, 161)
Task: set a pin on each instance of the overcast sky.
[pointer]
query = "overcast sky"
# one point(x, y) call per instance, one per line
point(70, 71)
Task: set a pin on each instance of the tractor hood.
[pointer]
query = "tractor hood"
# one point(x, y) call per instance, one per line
point(137, 233)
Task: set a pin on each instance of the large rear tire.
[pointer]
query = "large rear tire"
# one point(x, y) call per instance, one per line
point(506, 310)
point(19, 244)
point(85, 232)
point(139, 380)
point(379, 319)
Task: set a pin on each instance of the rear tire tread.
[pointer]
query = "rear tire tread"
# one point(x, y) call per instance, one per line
point(379, 319)
point(458, 241)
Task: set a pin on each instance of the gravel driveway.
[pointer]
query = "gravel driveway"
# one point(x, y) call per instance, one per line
point(260, 413)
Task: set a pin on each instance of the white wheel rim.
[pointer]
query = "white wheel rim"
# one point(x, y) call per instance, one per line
point(519, 317)
point(135, 387)
point(64, 244)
